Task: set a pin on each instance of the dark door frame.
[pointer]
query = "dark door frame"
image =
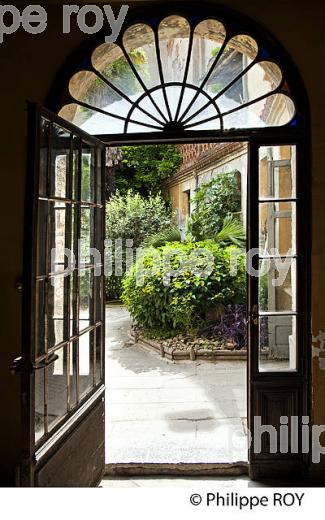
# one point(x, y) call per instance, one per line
point(299, 135)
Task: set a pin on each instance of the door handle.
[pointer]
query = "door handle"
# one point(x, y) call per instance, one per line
point(254, 315)
point(46, 362)
point(18, 363)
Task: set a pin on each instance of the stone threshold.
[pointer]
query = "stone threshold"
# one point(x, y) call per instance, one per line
point(134, 469)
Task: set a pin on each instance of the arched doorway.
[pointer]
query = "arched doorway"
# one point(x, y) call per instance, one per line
point(173, 78)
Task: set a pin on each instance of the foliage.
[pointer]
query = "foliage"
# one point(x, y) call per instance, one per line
point(161, 238)
point(166, 309)
point(232, 325)
point(213, 202)
point(232, 232)
point(144, 168)
point(133, 217)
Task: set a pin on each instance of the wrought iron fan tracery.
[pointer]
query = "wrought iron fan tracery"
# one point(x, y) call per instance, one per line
point(189, 77)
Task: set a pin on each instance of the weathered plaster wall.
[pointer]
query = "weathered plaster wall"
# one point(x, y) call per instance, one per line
point(29, 64)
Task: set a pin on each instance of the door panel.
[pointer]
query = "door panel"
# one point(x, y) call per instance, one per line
point(278, 337)
point(63, 362)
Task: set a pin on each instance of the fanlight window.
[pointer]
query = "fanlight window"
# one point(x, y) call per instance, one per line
point(178, 78)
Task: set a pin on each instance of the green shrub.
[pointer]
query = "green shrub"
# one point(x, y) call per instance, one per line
point(165, 309)
point(213, 202)
point(133, 217)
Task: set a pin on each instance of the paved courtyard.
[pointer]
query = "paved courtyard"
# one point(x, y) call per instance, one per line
point(163, 412)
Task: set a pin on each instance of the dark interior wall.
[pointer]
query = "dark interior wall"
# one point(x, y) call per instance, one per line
point(28, 67)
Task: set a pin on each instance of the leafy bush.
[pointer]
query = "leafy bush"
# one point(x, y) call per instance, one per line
point(203, 282)
point(213, 203)
point(133, 217)
point(144, 168)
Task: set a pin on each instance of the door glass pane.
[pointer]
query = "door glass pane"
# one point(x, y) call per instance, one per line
point(85, 298)
point(277, 177)
point(40, 318)
point(61, 169)
point(73, 305)
point(60, 161)
point(57, 395)
point(87, 176)
point(64, 301)
point(277, 285)
point(99, 363)
point(86, 234)
point(277, 282)
point(58, 236)
point(99, 177)
point(39, 404)
point(86, 380)
point(43, 208)
point(56, 311)
point(73, 374)
point(277, 228)
point(278, 349)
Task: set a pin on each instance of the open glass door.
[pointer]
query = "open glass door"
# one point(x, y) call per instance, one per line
point(62, 366)
point(278, 302)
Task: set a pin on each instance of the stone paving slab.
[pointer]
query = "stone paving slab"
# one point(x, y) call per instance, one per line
point(159, 411)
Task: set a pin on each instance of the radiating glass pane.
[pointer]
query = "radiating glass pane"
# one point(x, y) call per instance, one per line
point(109, 60)
point(173, 33)
point(89, 88)
point(94, 122)
point(39, 404)
point(237, 55)
point(274, 110)
point(86, 298)
point(277, 228)
point(209, 37)
point(277, 285)
point(153, 103)
point(263, 78)
point(139, 42)
point(139, 116)
point(136, 128)
point(57, 394)
point(56, 314)
point(278, 338)
point(86, 379)
point(277, 167)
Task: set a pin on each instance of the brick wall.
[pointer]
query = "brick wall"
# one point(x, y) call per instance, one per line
point(191, 153)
